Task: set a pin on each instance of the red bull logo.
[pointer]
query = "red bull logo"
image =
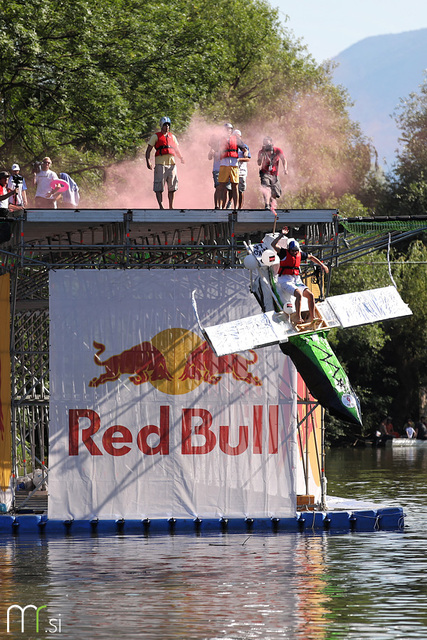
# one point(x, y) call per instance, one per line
point(175, 361)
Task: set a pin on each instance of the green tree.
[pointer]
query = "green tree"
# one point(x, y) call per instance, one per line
point(86, 81)
point(406, 191)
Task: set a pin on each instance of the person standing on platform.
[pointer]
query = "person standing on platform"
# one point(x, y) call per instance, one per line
point(243, 168)
point(268, 161)
point(71, 197)
point(17, 181)
point(214, 155)
point(166, 150)
point(5, 193)
point(44, 198)
point(228, 165)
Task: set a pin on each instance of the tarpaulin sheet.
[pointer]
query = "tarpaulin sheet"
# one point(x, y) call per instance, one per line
point(145, 420)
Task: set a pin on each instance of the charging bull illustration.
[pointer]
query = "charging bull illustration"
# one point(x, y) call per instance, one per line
point(144, 362)
point(203, 364)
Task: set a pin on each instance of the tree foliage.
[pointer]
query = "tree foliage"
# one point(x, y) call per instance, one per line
point(85, 82)
point(406, 192)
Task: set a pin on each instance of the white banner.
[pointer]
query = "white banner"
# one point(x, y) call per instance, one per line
point(145, 420)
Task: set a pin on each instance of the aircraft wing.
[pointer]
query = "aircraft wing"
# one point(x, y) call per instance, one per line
point(265, 329)
point(366, 307)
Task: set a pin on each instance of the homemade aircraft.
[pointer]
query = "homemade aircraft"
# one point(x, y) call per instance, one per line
point(305, 343)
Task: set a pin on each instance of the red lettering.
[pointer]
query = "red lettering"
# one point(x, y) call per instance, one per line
point(162, 432)
point(224, 445)
point(257, 447)
point(115, 436)
point(73, 433)
point(203, 429)
point(273, 428)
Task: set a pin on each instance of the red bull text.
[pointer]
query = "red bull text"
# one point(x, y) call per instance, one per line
point(199, 434)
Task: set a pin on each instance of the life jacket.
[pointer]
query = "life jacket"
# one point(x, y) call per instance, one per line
point(289, 265)
point(165, 144)
point(230, 149)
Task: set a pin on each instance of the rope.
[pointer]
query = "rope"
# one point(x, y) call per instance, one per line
point(388, 261)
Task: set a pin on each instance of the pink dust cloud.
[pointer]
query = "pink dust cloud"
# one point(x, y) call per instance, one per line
point(309, 137)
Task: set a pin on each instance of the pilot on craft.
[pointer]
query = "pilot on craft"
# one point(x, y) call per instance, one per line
point(289, 278)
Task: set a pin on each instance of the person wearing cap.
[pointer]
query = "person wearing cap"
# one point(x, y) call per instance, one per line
point(166, 150)
point(44, 198)
point(16, 180)
point(228, 165)
point(5, 193)
point(269, 157)
point(289, 278)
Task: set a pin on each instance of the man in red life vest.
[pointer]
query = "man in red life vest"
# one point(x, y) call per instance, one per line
point(268, 161)
point(229, 147)
point(167, 149)
point(289, 278)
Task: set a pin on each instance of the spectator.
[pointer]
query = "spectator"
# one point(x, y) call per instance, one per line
point(45, 199)
point(410, 429)
point(167, 148)
point(71, 197)
point(17, 181)
point(5, 193)
point(268, 161)
point(421, 429)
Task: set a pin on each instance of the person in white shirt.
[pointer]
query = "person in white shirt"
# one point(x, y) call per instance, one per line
point(17, 181)
point(44, 198)
point(5, 193)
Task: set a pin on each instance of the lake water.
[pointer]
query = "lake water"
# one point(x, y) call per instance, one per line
point(232, 587)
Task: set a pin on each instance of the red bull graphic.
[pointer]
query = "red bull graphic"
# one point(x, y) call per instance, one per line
point(203, 364)
point(143, 361)
point(177, 357)
point(145, 420)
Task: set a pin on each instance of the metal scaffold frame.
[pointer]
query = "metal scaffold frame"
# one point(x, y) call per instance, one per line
point(139, 239)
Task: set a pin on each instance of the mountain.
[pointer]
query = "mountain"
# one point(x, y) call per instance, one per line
point(378, 72)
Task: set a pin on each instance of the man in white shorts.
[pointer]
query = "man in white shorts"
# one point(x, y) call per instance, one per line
point(289, 278)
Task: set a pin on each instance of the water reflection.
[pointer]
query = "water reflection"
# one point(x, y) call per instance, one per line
point(311, 587)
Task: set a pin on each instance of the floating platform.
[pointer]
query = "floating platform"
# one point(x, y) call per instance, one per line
point(345, 516)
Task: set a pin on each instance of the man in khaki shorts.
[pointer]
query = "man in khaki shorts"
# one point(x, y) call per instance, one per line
point(167, 149)
point(229, 165)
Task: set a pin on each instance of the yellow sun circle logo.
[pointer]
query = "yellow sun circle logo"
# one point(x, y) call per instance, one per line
point(176, 345)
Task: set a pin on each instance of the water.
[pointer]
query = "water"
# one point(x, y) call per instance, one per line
point(231, 587)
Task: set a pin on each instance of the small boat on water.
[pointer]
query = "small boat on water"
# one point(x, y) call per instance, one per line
point(406, 442)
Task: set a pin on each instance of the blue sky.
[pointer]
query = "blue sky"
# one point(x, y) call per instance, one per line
point(328, 27)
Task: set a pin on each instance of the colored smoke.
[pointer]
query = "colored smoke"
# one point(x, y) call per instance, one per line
point(310, 137)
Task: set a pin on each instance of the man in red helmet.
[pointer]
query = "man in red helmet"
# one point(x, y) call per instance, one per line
point(167, 149)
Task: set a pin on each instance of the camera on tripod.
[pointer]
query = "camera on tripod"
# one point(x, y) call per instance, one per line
point(18, 180)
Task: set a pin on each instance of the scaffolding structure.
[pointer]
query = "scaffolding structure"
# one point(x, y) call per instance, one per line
point(42, 240)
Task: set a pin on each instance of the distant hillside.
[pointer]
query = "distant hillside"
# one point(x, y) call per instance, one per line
point(377, 72)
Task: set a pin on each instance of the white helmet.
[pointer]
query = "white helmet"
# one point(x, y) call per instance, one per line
point(165, 120)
